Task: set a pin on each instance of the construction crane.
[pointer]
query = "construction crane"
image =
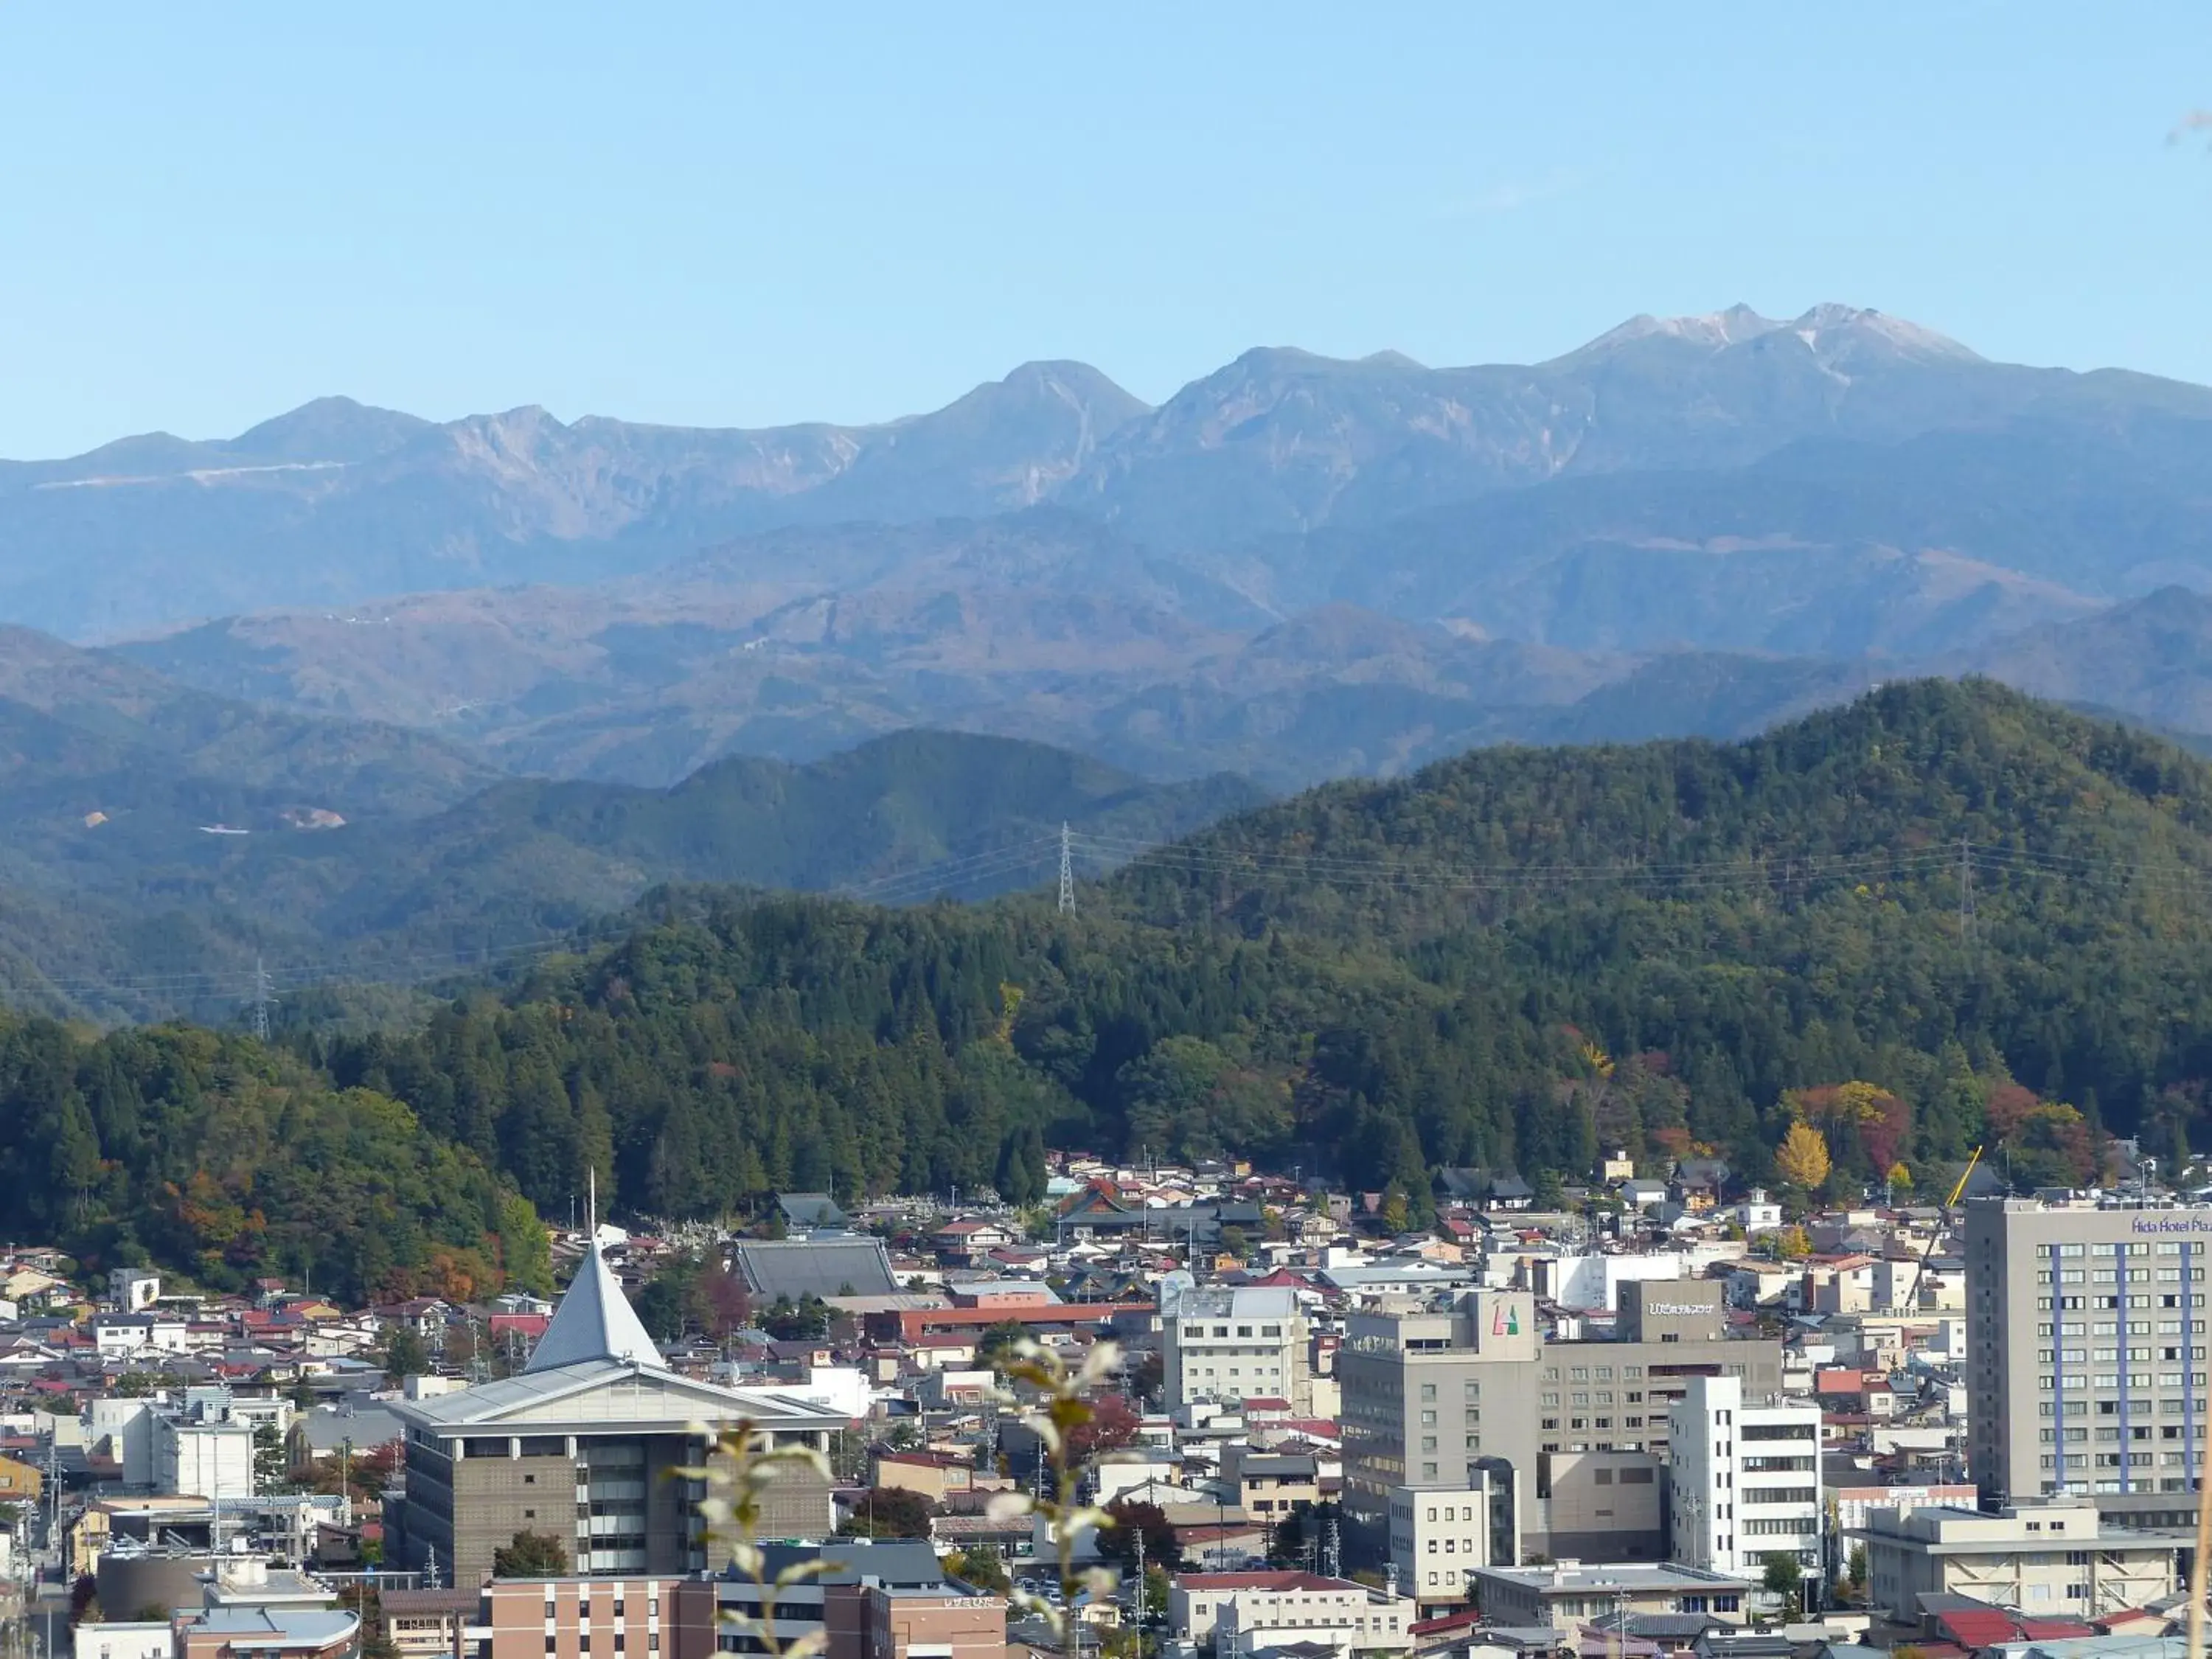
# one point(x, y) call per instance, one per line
point(1912, 1297)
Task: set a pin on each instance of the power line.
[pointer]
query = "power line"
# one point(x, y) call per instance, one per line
point(1966, 893)
point(1326, 870)
point(951, 872)
point(260, 986)
point(244, 984)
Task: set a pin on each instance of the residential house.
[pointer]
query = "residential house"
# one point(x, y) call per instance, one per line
point(1699, 1184)
point(1270, 1485)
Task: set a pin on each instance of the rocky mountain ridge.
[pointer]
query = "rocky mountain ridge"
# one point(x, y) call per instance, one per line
point(335, 503)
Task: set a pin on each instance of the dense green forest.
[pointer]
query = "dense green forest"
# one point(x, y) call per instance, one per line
point(211, 1153)
point(1944, 915)
point(1505, 960)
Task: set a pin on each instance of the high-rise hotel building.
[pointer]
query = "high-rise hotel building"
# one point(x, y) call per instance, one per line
point(2086, 1334)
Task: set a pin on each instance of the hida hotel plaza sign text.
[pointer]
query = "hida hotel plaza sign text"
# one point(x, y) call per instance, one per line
point(2198, 1224)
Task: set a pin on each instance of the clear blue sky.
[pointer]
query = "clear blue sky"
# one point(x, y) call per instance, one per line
point(738, 214)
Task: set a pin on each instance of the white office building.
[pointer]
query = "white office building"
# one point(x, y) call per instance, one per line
point(1746, 1481)
point(1234, 1612)
point(211, 1457)
point(1233, 1342)
point(2086, 1338)
point(1439, 1536)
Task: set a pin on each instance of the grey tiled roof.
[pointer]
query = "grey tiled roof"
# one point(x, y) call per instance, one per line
point(798, 1268)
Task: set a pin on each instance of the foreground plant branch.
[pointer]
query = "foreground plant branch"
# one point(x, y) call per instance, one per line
point(1058, 1405)
point(738, 1471)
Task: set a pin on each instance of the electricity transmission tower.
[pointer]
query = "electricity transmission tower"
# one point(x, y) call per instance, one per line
point(1067, 872)
point(260, 1000)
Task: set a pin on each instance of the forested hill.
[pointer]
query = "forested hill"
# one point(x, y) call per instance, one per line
point(1892, 784)
point(226, 1161)
point(140, 910)
point(1942, 916)
point(1508, 960)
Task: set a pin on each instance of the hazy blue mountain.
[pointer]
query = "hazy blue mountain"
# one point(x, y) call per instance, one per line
point(2150, 659)
point(1283, 440)
point(118, 733)
point(334, 504)
point(203, 872)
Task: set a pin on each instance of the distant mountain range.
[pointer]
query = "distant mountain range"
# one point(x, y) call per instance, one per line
point(334, 504)
point(1294, 569)
point(994, 628)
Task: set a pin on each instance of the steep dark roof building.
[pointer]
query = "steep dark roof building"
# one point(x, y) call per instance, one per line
point(800, 1267)
point(583, 1443)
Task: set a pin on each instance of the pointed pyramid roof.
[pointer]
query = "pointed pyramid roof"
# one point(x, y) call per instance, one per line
point(594, 1322)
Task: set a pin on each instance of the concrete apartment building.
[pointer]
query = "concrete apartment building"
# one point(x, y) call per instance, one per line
point(582, 1444)
point(199, 1445)
point(1434, 1396)
point(1439, 1537)
point(205, 1454)
point(136, 1639)
point(1566, 1594)
point(1911, 1285)
point(269, 1633)
point(1233, 1342)
point(637, 1618)
point(883, 1600)
point(1743, 1481)
point(2056, 1559)
point(1272, 1485)
point(1852, 1506)
point(431, 1624)
point(1449, 1397)
point(888, 1598)
point(1240, 1612)
point(2086, 1342)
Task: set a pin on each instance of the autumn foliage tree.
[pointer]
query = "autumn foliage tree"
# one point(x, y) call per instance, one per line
point(2049, 1143)
point(1802, 1158)
point(1866, 1125)
point(1112, 1425)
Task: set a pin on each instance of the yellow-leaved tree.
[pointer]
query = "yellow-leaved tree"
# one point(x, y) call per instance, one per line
point(1802, 1158)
